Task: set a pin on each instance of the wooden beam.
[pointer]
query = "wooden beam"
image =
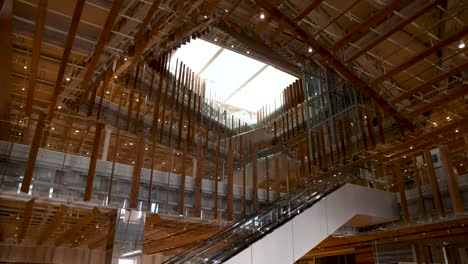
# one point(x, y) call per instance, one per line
point(6, 51)
point(254, 181)
point(34, 149)
point(366, 26)
point(416, 58)
point(417, 181)
point(66, 54)
point(99, 47)
point(444, 99)
point(434, 184)
point(182, 184)
point(25, 220)
point(430, 83)
point(338, 65)
point(140, 152)
point(93, 161)
point(36, 52)
point(54, 223)
point(215, 209)
point(267, 181)
point(452, 181)
point(314, 4)
point(396, 28)
point(78, 227)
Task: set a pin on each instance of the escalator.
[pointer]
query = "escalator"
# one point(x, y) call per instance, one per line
point(321, 206)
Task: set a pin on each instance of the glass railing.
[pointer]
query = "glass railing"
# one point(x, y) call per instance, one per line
point(243, 233)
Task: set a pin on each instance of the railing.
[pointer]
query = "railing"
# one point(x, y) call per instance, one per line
point(243, 233)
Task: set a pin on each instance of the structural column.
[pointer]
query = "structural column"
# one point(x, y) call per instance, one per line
point(93, 161)
point(451, 176)
point(137, 170)
point(107, 138)
point(6, 28)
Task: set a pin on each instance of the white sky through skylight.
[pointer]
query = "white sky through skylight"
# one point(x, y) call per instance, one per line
point(227, 75)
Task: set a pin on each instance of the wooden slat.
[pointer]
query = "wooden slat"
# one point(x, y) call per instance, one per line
point(198, 183)
point(278, 180)
point(244, 181)
point(32, 156)
point(78, 227)
point(401, 190)
point(132, 98)
point(370, 129)
point(174, 98)
point(25, 220)
point(164, 102)
point(452, 181)
point(336, 63)
point(368, 23)
point(99, 47)
point(55, 222)
point(434, 184)
point(93, 161)
point(36, 52)
point(182, 105)
point(380, 121)
point(66, 54)
point(347, 133)
point(140, 156)
point(101, 96)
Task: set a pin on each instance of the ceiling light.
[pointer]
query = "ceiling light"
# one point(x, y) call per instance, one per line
point(25, 67)
point(107, 92)
point(23, 89)
point(262, 16)
point(115, 76)
point(232, 46)
point(205, 16)
point(456, 130)
point(248, 52)
point(448, 118)
point(125, 59)
point(67, 79)
point(310, 50)
point(59, 107)
point(434, 123)
point(225, 10)
point(216, 39)
point(462, 44)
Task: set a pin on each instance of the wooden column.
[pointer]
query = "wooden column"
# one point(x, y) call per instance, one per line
point(29, 171)
point(244, 182)
point(93, 160)
point(254, 182)
point(137, 170)
point(452, 181)
point(267, 182)
point(215, 209)
point(6, 51)
point(417, 181)
point(369, 126)
point(182, 184)
point(434, 184)
point(401, 190)
point(230, 185)
point(278, 179)
point(198, 182)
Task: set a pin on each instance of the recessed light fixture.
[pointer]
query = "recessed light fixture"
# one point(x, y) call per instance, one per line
point(67, 79)
point(115, 76)
point(22, 89)
point(448, 118)
point(25, 67)
point(225, 10)
point(59, 107)
point(461, 45)
point(248, 52)
point(262, 16)
point(232, 46)
point(107, 92)
point(205, 16)
point(310, 50)
point(215, 39)
point(125, 59)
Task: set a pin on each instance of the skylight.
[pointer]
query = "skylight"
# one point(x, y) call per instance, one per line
point(232, 78)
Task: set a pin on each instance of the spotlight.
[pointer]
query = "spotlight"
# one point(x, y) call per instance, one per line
point(125, 59)
point(310, 50)
point(59, 107)
point(248, 52)
point(25, 67)
point(216, 39)
point(462, 44)
point(232, 46)
point(67, 79)
point(262, 16)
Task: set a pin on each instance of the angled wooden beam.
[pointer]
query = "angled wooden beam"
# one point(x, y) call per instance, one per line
point(56, 221)
point(453, 95)
point(396, 28)
point(36, 52)
point(32, 156)
point(93, 161)
point(99, 47)
point(417, 180)
point(364, 27)
point(27, 213)
point(418, 57)
point(430, 83)
point(78, 227)
point(338, 65)
point(144, 25)
point(66, 54)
